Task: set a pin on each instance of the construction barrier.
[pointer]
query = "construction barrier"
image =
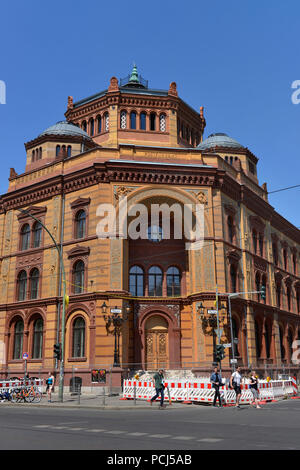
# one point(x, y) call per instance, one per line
point(203, 392)
point(6, 385)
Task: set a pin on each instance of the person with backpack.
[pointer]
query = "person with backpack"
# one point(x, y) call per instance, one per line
point(235, 383)
point(216, 381)
point(158, 379)
point(254, 388)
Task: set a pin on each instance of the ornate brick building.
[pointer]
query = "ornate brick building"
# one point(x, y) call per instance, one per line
point(147, 145)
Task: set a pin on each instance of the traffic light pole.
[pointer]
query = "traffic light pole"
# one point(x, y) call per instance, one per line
point(61, 371)
point(230, 296)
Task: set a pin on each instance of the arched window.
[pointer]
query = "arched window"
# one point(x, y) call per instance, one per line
point(267, 340)
point(80, 223)
point(152, 121)
point(22, 285)
point(136, 281)
point(295, 263)
point(32, 155)
point(235, 333)
point(275, 253)
point(288, 296)
point(99, 124)
point(78, 349)
point(254, 240)
point(278, 293)
point(285, 259)
point(92, 126)
point(257, 340)
point(298, 299)
point(257, 285)
point(230, 229)
point(143, 121)
point(290, 342)
point(282, 348)
point(37, 234)
point(40, 153)
point(106, 121)
point(173, 281)
point(18, 340)
point(162, 123)
point(84, 126)
point(123, 120)
point(25, 237)
point(155, 233)
point(261, 244)
point(37, 343)
point(78, 277)
point(155, 279)
point(133, 120)
point(34, 283)
point(264, 284)
point(233, 277)
point(57, 150)
point(69, 151)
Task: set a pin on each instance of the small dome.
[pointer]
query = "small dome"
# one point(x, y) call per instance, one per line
point(65, 128)
point(219, 140)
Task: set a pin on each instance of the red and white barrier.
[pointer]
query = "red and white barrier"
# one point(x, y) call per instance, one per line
point(9, 384)
point(203, 392)
point(295, 386)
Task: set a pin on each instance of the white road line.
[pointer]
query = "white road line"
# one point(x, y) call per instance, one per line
point(137, 433)
point(114, 432)
point(42, 426)
point(95, 430)
point(76, 429)
point(159, 436)
point(209, 439)
point(183, 438)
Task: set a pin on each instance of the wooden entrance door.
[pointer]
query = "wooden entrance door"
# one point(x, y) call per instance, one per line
point(157, 347)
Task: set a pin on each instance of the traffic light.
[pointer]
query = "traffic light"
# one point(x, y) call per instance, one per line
point(263, 292)
point(57, 351)
point(220, 352)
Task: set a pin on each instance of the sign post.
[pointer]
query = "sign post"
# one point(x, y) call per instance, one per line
point(25, 357)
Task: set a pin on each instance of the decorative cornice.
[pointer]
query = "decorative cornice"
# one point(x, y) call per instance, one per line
point(37, 211)
point(78, 251)
point(80, 202)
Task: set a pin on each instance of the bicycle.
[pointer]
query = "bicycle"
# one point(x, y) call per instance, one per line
point(26, 394)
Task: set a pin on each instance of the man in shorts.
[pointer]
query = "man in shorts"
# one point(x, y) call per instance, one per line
point(235, 383)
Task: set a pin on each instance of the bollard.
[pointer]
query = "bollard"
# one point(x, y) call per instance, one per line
point(103, 396)
point(78, 393)
point(134, 392)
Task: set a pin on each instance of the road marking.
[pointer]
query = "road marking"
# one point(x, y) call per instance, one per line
point(137, 433)
point(42, 426)
point(183, 438)
point(159, 436)
point(209, 439)
point(76, 429)
point(95, 430)
point(58, 427)
point(114, 432)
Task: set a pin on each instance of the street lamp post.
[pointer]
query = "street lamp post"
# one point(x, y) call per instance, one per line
point(115, 320)
point(61, 371)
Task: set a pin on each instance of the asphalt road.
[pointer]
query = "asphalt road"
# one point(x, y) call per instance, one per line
point(275, 426)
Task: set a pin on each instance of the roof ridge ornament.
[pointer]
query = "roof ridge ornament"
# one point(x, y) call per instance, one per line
point(134, 77)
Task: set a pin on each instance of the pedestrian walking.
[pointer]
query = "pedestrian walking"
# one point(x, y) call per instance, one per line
point(254, 388)
point(158, 380)
point(49, 385)
point(235, 383)
point(216, 381)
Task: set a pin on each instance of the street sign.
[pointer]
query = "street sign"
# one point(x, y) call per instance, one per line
point(25, 356)
point(115, 310)
point(212, 312)
point(233, 361)
point(227, 345)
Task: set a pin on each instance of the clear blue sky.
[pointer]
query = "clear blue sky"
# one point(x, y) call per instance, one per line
point(237, 59)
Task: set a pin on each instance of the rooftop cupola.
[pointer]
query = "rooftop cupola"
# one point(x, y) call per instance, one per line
point(134, 80)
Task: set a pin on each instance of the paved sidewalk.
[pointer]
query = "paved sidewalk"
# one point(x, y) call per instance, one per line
point(94, 402)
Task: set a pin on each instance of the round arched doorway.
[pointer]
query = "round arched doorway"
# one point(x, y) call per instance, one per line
point(157, 343)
